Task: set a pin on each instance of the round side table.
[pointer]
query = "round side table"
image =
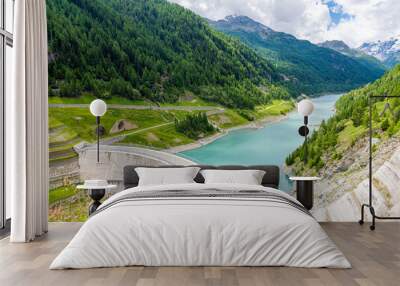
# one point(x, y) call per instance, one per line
point(305, 190)
point(96, 193)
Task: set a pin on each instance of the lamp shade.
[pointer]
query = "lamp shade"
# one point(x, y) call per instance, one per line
point(98, 107)
point(305, 107)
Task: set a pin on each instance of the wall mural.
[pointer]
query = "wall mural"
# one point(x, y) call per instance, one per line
point(181, 89)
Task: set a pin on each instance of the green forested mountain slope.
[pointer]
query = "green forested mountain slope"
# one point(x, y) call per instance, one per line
point(351, 122)
point(308, 67)
point(368, 61)
point(150, 49)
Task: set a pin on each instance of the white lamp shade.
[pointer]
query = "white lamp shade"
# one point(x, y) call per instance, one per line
point(98, 107)
point(305, 107)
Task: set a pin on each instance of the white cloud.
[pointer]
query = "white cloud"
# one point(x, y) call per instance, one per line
point(370, 20)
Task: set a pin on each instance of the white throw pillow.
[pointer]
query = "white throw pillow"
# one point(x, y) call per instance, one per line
point(245, 177)
point(166, 176)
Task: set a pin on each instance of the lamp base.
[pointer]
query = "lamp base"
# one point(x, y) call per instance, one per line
point(305, 193)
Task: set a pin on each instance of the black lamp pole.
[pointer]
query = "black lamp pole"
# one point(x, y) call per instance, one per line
point(305, 139)
point(303, 131)
point(98, 138)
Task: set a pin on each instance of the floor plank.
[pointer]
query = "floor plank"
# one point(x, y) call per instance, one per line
point(375, 257)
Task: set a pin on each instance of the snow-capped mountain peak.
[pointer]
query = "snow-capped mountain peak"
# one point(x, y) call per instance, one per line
point(386, 51)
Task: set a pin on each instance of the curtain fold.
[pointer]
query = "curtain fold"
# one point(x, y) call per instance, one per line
point(27, 125)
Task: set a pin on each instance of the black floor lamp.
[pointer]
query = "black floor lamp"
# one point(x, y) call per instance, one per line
point(98, 108)
point(305, 185)
point(370, 189)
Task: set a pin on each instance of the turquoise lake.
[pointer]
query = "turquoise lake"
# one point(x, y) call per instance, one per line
point(268, 145)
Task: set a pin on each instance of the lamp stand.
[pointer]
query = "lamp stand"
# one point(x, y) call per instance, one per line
point(98, 138)
point(303, 131)
point(305, 139)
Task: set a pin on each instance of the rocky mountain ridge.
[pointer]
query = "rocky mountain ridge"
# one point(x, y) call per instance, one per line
point(237, 22)
point(341, 47)
point(361, 56)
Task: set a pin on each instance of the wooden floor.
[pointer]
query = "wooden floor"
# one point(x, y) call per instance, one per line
point(375, 257)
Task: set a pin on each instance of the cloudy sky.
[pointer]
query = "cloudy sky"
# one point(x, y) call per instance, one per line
point(353, 21)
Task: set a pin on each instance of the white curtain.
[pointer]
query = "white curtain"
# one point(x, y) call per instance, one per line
point(27, 124)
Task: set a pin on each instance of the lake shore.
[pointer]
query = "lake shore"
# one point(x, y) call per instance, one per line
point(204, 141)
point(270, 144)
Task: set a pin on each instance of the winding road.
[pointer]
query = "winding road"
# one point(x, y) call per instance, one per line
point(141, 107)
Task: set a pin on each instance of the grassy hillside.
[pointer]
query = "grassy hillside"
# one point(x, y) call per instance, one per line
point(153, 50)
point(308, 68)
point(351, 123)
point(151, 128)
point(83, 123)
